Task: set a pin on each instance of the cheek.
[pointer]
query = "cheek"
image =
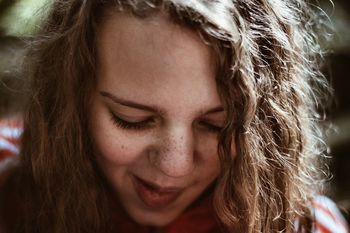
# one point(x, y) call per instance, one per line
point(207, 146)
point(208, 156)
point(112, 143)
point(115, 150)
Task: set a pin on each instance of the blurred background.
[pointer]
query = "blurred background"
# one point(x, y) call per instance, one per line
point(20, 18)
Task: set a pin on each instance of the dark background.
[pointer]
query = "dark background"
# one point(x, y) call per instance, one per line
point(18, 20)
point(337, 70)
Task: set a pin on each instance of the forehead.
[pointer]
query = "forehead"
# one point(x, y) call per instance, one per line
point(155, 60)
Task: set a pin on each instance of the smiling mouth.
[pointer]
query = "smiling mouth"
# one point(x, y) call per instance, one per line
point(154, 196)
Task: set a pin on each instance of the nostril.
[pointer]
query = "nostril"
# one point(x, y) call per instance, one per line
point(173, 153)
point(173, 163)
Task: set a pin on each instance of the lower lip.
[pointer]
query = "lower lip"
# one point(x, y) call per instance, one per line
point(153, 198)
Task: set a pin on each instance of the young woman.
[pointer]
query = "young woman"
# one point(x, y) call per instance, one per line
point(171, 116)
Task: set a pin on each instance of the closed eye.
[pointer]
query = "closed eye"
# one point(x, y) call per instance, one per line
point(210, 127)
point(149, 122)
point(131, 125)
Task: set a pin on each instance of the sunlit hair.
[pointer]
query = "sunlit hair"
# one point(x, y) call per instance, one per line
point(268, 78)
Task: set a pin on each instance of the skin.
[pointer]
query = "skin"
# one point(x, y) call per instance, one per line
point(170, 72)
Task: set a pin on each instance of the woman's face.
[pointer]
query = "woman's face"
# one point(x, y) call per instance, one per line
point(155, 116)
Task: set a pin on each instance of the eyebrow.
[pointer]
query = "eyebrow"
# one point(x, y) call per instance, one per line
point(148, 108)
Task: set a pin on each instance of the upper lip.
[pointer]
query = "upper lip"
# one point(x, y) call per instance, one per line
point(159, 188)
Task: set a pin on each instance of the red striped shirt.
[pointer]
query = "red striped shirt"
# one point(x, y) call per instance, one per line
point(328, 217)
point(10, 132)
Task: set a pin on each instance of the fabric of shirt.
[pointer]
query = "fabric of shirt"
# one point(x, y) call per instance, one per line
point(200, 218)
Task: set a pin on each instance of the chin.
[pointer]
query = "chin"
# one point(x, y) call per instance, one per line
point(155, 218)
point(155, 222)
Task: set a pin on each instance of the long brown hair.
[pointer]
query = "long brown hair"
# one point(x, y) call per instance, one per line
point(268, 78)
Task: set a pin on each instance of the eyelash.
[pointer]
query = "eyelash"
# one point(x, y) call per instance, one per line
point(146, 124)
point(210, 128)
point(130, 125)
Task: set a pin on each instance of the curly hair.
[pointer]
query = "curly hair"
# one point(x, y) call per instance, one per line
point(268, 77)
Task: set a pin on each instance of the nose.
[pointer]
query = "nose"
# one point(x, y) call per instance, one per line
point(174, 155)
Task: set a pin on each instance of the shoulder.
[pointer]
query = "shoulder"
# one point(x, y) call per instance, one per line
point(328, 218)
point(10, 135)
